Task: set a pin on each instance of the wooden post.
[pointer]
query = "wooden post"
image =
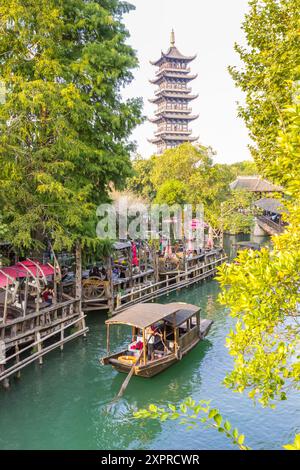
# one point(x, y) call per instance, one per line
point(156, 254)
point(54, 298)
point(118, 299)
point(175, 334)
point(5, 382)
point(130, 266)
point(18, 360)
point(145, 347)
point(108, 339)
point(110, 286)
point(146, 257)
point(133, 333)
point(198, 323)
point(25, 297)
point(78, 272)
point(39, 346)
point(62, 336)
point(37, 307)
point(5, 303)
point(165, 336)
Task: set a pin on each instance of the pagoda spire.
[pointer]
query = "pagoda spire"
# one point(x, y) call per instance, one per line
point(172, 38)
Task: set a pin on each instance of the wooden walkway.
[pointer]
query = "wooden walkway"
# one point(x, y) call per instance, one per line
point(268, 226)
point(173, 281)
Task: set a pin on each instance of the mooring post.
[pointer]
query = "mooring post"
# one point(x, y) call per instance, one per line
point(5, 382)
point(78, 286)
point(39, 346)
point(110, 286)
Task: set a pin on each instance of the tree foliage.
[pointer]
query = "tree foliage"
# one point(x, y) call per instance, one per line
point(187, 174)
point(271, 68)
point(63, 126)
point(262, 289)
point(192, 414)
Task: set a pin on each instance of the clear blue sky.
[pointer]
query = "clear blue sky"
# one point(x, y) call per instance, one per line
point(208, 28)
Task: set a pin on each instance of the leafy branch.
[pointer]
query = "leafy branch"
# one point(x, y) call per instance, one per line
point(192, 414)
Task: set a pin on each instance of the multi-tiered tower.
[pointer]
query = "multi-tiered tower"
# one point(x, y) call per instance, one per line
point(172, 99)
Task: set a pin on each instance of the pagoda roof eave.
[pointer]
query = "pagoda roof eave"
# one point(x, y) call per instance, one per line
point(183, 116)
point(168, 95)
point(187, 78)
point(173, 138)
point(173, 54)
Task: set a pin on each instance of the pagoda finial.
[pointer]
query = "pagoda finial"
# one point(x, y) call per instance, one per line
point(172, 38)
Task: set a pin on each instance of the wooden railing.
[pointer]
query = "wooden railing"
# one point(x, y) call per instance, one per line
point(175, 281)
point(39, 345)
point(25, 334)
point(274, 227)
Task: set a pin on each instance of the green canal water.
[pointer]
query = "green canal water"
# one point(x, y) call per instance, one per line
point(63, 404)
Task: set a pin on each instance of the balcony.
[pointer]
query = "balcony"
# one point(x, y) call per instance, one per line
point(172, 68)
point(163, 131)
point(173, 109)
point(173, 88)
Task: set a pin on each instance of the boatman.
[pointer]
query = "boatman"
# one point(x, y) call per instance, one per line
point(151, 333)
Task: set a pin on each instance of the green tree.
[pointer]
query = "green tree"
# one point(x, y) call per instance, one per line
point(271, 68)
point(181, 163)
point(262, 289)
point(187, 174)
point(172, 192)
point(63, 126)
point(140, 183)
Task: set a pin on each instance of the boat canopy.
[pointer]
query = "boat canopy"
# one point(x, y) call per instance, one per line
point(23, 269)
point(146, 314)
point(181, 317)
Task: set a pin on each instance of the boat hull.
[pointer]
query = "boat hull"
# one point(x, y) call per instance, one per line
point(159, 365)
point(155, 367)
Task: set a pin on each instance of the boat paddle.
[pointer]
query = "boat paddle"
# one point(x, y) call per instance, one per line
point(130, 374)
point(126, 381)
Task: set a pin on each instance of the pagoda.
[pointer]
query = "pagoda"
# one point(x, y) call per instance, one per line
point(172, 98)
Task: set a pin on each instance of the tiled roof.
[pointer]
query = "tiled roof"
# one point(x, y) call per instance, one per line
point(173, 53)
point(255, 184)
point(271, 205)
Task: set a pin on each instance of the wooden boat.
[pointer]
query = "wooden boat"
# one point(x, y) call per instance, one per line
point(177, 329)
